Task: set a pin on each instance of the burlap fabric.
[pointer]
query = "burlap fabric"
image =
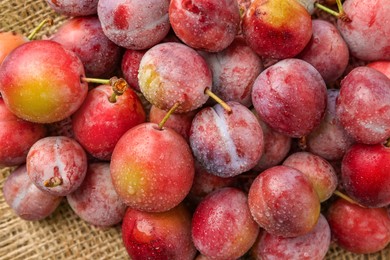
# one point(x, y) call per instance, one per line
point(64, 235)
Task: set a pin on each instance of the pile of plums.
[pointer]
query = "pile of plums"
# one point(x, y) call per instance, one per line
point(208, 129)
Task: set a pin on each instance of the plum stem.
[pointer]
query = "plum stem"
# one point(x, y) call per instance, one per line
point(48, 21)
point(340, 14)
point(95, 80)
point(302, 143)
point(119, 86)
point(53, 182)
point(346, 197)
point(387, 142)
point(218, 100)
point(167, 115)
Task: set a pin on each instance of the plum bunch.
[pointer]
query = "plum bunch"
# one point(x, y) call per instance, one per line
point(207, 129)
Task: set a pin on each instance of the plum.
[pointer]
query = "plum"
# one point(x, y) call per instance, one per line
point(95, 200)
point(57, 164)
point(282, 200)
point(312, 246)
point(290, 96)
point(208, 25)
point(226, 144)
point(84, 36)
point(222, 225)
point(363, 105)
point(320, 172)
point(158, 235)
point(26, 200)
point(40, 81)
point(277, 29)
point(171, 73)
point(99, 123)
point(16, 137)
point(152, 168)
point(357, 229)
point(367, 31)
point(134, 24)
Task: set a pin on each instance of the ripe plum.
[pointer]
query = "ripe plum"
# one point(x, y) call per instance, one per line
point(57, 165)
point(134, 24)
point(290, 96)
point(363, 105)
point(226, 144)
point(26, 200)
point(95, 200)
point(283, 201)
point(208, 25)
point(222, 225)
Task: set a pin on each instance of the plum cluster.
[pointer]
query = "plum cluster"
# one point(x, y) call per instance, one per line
point(208, 129)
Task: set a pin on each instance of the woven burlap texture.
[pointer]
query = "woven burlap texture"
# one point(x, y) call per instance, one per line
point(64, 235)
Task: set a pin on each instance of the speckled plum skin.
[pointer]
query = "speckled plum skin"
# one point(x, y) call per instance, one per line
point(363, 105)
point(85, 37)
point(74, 7)
point(26, 200)
point(172, 73)
point(368, 32)
point(312, 246)
point(40, 82)
point(326, 51)
point(357, 229)
point(134, 24)
point(234, 70)
point(222, 225)
point(161, 236)
point(208, 25)
point(276, 147)
point(96, 200)
point(226, 144)
point(290, 96)
point(98, 124)
point(181, 123)
point(276, 29)
point(16, 137)
point(57, 156)
point(320, 172)
point(283, 201)
point(329, 140)
point(130, 65)
point(152, 169)
point(365, 173)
